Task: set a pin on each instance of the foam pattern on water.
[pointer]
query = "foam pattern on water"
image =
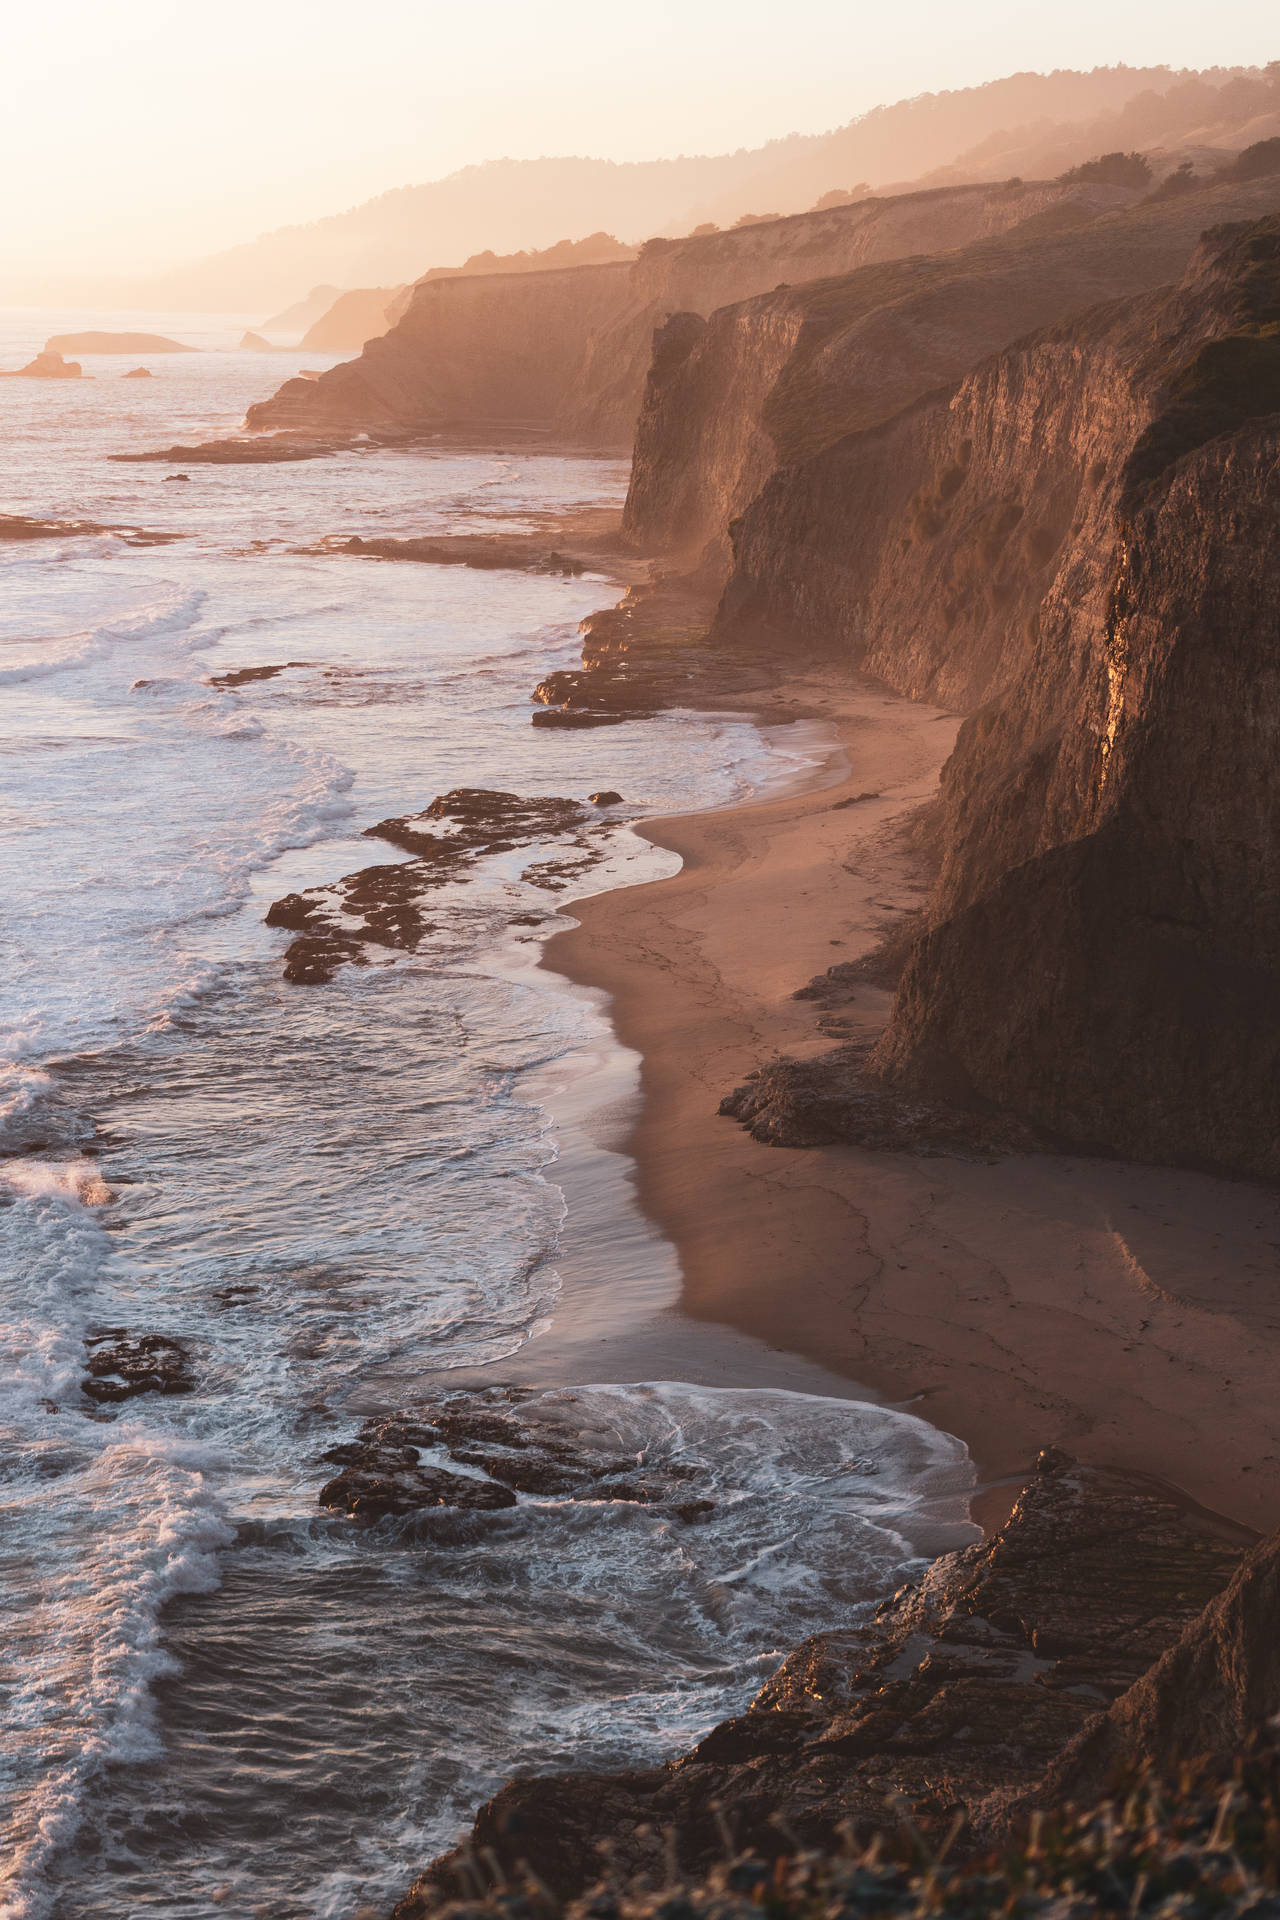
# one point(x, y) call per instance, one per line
point(316, 1189)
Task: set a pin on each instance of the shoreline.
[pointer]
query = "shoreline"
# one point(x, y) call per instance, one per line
point(1114, 1310)
point(618, 1316)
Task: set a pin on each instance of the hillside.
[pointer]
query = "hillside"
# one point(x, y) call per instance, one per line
point(1200, 115)
point(508, 205)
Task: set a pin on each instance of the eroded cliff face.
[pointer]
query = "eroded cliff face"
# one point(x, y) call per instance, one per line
point(1077, 545)
point(484, 350)
point(773, 381)
point(569, 350)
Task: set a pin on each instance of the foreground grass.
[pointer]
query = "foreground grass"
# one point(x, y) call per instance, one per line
point(1206, 1847)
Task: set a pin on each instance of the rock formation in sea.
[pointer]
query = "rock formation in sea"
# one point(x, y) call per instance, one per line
point(113, 343)
point(46, 366)
point(568, 349)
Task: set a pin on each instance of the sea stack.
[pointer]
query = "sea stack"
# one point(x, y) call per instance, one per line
point(47, 366)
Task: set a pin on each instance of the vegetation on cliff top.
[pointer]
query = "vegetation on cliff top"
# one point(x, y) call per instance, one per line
point(1228, 381)
point(1202, 1847)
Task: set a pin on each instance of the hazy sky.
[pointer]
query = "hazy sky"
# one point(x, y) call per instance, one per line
point(149, 131)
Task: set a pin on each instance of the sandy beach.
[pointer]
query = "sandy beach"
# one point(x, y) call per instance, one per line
point(1126, 1313)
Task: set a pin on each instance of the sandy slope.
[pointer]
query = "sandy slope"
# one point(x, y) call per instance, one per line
point(1131, 1314)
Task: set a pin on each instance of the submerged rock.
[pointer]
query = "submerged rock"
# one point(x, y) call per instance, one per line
point(369, 1493)
point(521, 1441)
point(121, 1366)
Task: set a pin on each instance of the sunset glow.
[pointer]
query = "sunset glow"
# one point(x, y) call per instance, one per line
point(140, 135)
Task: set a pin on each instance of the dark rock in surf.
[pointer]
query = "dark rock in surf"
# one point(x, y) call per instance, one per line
point(370, 1493)
point(233, 452)
point(563, 717)
point(608, 798)
point(482, 820)
point(20, 526)
point(524, 1441)
point(120, 1366)
point(245, 676)
point(648, 653)
point(137, 373)
point(485, 551)
point(382, 906)
point(694, 1511)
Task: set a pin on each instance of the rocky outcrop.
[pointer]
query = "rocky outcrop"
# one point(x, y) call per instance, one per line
point(1205, 1699)
point(767, 384)
point(234, 453)
point(1159, 1852)
point(508, 1441)
point(122, 1365)
point(500, 350)
point(20, 526)
point(382, 907)
point(958, 1691)
point(647, 653)
point(568, 350)
point(46, 366)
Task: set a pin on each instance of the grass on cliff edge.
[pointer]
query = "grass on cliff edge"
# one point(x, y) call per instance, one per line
point(1205, 1847)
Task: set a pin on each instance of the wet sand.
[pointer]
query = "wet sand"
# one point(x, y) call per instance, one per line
point(1130, 1314)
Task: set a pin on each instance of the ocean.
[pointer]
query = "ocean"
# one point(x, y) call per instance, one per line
point(218, 1695)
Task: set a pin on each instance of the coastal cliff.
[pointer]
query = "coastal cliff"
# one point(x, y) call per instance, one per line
point(568, 350)
point(1074, 545)
point(770, 382)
